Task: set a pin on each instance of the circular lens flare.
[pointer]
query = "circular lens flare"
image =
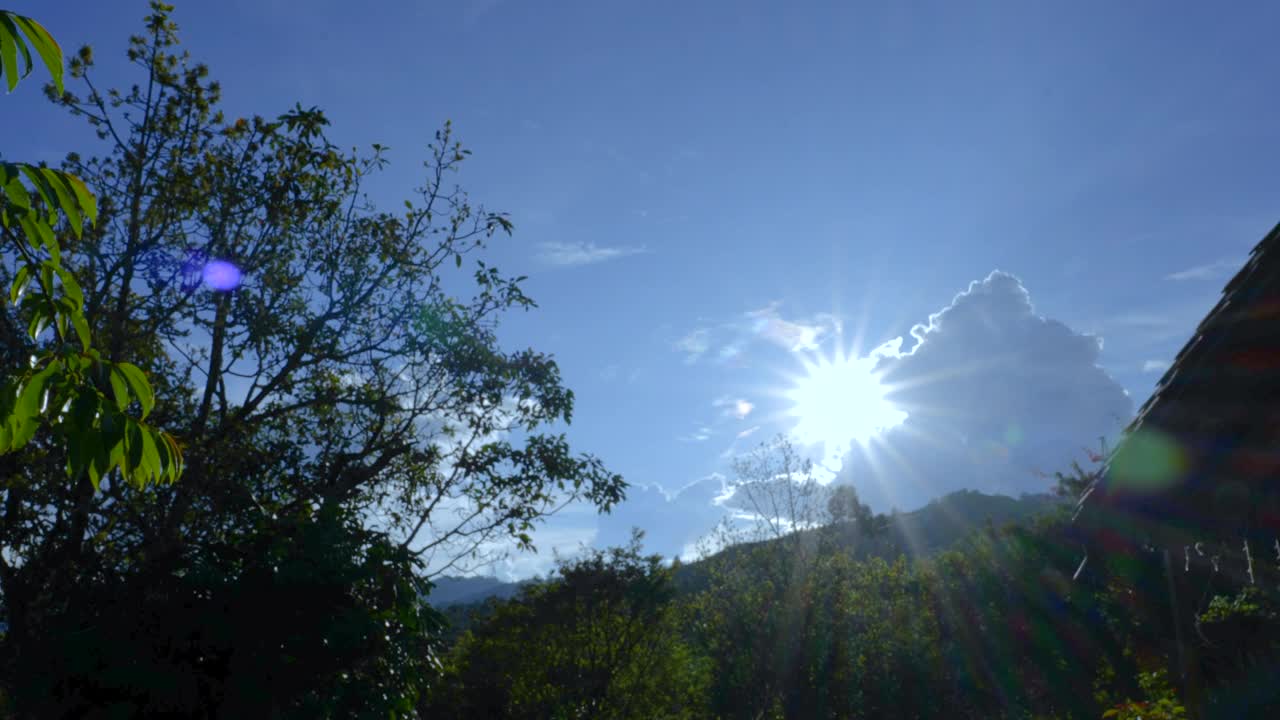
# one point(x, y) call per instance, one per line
point(839, 401)
point(221, 275)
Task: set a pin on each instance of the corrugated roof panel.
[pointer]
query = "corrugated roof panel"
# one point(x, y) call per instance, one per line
point(1216, 408)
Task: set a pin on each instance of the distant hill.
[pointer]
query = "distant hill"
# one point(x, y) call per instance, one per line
point(948, 519)
point(450, 590)
point(929, 529)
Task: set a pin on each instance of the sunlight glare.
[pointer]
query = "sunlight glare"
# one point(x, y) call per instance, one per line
point(840, 400)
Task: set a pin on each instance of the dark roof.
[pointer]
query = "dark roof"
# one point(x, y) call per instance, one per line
point(1202, 458)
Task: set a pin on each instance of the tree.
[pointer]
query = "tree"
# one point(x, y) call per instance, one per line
point(776, 485)
point(843, 505)
point(599, 639)
point(749, 619)
point(325, 385)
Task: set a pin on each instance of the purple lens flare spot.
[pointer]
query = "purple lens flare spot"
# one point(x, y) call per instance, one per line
point(221, 275)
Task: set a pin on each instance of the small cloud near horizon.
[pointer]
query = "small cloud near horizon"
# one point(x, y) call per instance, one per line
point(671, 520)
point(562, 254)
point(1155, 366)
point(1207, 271)
point(702, 434)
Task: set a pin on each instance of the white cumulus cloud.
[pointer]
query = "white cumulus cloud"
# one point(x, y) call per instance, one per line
point(996, 394)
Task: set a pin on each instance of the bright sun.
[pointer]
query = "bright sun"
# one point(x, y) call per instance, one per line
point(840, 400)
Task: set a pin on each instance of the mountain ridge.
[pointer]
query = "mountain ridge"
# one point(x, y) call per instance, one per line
point(920, 532)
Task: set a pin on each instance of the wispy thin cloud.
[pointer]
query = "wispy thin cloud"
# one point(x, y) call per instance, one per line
point(1141, 319)
point(474, 10)
point(731, 339)
point(694, 344)
point(794, 336)
point(1208, 271)
point(738, 408)
point(563, 254)
point(700, 435)
point(1152, 366)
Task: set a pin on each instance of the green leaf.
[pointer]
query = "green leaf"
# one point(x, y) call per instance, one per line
point(59, 191)
point(95, 474)
point(46, 276)
point(92, 457)
point(29, 399)
point(139, 385)
point(45, 45)
point(133, 444)
point(112, 426)
point(70, 286)
point(9, 44)
point(175, 453)
point(119, 388)
point(26, 413)
point(84, 409)
point(26, 59)
point(82, 329)
point(40, 319)
point(88, 203)
point(66, 198)
point(20, 281)
point(14, 191)
point(115, 456)
point(162, 451)
point(150, 456)
point(11, 183)
point(38, 233)
point(40, 184)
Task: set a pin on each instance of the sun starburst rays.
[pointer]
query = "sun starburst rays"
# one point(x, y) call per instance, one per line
point(839, 400)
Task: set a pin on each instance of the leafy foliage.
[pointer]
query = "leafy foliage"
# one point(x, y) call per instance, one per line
point(13, 44)
point(351, 424)
point(807, 624)
point(80, 393)
point(599, 639)
point(1161, 703)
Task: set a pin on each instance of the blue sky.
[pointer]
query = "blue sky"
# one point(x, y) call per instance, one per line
point(704, 192)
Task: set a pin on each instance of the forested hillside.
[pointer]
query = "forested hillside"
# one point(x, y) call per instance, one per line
point(997, 625)
point(937, 526)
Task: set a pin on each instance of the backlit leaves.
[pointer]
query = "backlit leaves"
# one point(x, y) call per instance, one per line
point(18, 37)
point(84, 398)
point(80, 395)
